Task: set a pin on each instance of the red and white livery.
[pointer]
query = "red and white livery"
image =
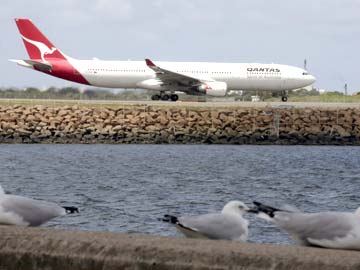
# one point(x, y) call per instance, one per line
point(166, 78)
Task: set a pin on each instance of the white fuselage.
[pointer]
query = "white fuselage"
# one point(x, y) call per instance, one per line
point(237, 76)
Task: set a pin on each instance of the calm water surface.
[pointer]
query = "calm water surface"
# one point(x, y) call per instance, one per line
point(126, 188)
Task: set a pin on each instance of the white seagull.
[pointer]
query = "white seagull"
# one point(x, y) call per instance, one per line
point(227, 225)
point(338, 230)
point(22, 211)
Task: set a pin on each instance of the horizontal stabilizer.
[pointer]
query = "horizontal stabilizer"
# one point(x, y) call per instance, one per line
point(33, 64)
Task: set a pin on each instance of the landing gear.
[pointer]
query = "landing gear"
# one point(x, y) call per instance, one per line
point(284, 97)
point(165, 97)
point(174, 97)
point(155, 97)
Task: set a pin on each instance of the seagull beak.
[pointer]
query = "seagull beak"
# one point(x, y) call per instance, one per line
point(254, 210)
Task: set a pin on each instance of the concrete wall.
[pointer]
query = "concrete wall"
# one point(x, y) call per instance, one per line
point(40, 248)
point(146, 124)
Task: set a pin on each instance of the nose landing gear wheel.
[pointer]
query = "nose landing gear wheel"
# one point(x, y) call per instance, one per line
point(174, 97)
point(284, 99)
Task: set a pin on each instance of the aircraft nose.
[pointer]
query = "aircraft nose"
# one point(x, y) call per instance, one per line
point(311, 79)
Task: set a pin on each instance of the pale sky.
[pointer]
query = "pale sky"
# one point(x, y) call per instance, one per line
point(325, 32)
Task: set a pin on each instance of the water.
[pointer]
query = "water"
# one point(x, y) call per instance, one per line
point(126, 188)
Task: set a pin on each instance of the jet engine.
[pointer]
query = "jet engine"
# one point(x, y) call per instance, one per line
point(151, 84)
point(216, 89)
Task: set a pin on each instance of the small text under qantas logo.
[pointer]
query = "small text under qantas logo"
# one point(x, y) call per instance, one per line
point(263, 70)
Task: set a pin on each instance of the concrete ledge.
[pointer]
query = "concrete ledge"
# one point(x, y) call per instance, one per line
point(40, 248)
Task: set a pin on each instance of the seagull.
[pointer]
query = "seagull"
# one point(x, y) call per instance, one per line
point(337, 230)
point(22, 211)
point(226, 225)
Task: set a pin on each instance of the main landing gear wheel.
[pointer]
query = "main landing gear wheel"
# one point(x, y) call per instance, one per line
point(174, 97)
point(284, 99)
point(155, 97)
point(165, 97)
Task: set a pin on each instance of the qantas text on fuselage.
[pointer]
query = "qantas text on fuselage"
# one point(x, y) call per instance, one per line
point(164, 78)
point(255, 69)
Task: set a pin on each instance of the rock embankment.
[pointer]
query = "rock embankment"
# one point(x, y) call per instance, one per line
point(147, 124)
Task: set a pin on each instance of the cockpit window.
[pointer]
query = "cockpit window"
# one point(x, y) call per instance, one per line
point(305, 73)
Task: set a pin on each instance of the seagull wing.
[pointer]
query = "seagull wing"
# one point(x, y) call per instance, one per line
point(310, 228)
point(29, 211)
point(217, 226)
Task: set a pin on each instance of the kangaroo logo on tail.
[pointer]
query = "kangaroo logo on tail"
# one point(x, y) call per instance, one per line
point(44, 50)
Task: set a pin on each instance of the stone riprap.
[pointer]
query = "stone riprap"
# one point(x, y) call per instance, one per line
point(150, 124)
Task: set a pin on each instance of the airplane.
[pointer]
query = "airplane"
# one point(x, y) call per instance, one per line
point(165, 78)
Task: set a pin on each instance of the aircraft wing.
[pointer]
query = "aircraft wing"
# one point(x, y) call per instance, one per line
point(167, 76)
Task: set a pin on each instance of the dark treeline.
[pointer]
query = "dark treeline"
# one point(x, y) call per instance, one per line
point(73, 93)
point(104, 94)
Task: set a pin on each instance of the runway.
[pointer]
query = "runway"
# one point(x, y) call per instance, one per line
point(227, 104)
point(211, 104)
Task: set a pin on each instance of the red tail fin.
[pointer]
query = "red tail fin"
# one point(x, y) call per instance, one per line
point(36, 44)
